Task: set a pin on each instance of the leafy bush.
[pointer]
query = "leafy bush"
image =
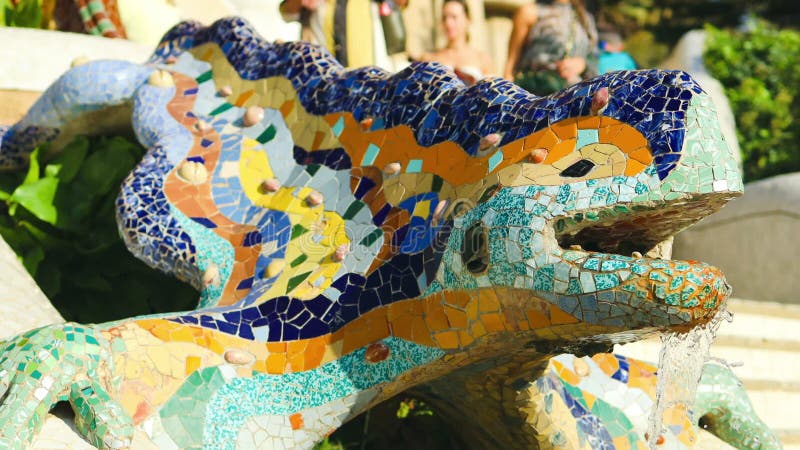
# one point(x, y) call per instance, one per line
point(22, 13)
point(59, 219)
point(399, 423)
point(759, 69)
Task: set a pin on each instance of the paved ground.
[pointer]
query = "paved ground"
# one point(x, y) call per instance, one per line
point(765, 338)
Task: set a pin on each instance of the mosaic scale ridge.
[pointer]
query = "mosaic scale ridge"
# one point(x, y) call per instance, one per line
point(354, 234)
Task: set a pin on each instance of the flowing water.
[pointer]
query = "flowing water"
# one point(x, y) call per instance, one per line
point(680, 364)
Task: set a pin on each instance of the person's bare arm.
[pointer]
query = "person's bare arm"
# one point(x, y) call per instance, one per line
point(487, 66)
point(571, 68)
point(523, 20)
point(290, 8)
point(426, 57)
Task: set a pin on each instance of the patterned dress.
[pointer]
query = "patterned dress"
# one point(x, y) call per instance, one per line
point(557, 34)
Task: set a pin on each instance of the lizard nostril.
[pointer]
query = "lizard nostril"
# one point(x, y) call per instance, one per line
point(474, 251)
point(578, 169)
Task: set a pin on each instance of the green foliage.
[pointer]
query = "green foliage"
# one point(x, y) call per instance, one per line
point(652, 27)
point(400, 423)
point(413, 407)
point(25, 13)
point(327, 444)
point(759, 69)
point(59, 219)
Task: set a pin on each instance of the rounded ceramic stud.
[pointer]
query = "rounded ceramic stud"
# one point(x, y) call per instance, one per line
point(274, 268)
point(271, 185)
point(161, 78)
point(238, 357)
point(366, 124)
point(79, 61)
point(636, 255)
point(581, 368)
point(341, 252)
point(201, 126)
point(377, 352)
point(253, 115)
point(600, 100)
point(392, 168)
point(538, 155)
point(194, 172)
point(314, 199)
point(489, 140)
point(225, 91)
point(211, 276)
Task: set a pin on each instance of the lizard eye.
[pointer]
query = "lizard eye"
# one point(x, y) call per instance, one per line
point(579, 169)
point(474, 250)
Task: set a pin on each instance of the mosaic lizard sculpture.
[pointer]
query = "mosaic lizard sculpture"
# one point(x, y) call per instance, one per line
point(356, 233)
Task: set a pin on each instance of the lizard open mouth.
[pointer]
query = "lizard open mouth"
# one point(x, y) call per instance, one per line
point(626, 250)
point(645, 231)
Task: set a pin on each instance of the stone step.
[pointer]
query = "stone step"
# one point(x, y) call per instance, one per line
point(790, 439)
point(767, 366)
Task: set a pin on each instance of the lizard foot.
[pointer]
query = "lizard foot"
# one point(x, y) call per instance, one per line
point(64, 362)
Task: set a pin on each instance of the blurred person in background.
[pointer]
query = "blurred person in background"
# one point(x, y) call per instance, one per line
point(469, 63)
point(612, 53)
point(552, 46)
point(357, 32)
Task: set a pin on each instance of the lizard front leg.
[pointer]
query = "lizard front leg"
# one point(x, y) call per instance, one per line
point(65, 362)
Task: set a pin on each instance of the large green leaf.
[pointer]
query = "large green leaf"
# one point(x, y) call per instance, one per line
point(135, 150)
point(104, 169)
point(32, 259)
point(37, 197)
point(75, 203)
point(33, 167)
point(45, 236)
point(66, 165)
point(18, 238)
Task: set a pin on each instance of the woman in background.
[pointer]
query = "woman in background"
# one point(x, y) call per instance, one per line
point(552, 46)
point(469, 63)
point(352, 30)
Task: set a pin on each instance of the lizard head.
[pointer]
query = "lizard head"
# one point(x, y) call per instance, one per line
point(582, 201)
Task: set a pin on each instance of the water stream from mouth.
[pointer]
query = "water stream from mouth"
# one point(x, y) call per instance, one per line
point(680, 364)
